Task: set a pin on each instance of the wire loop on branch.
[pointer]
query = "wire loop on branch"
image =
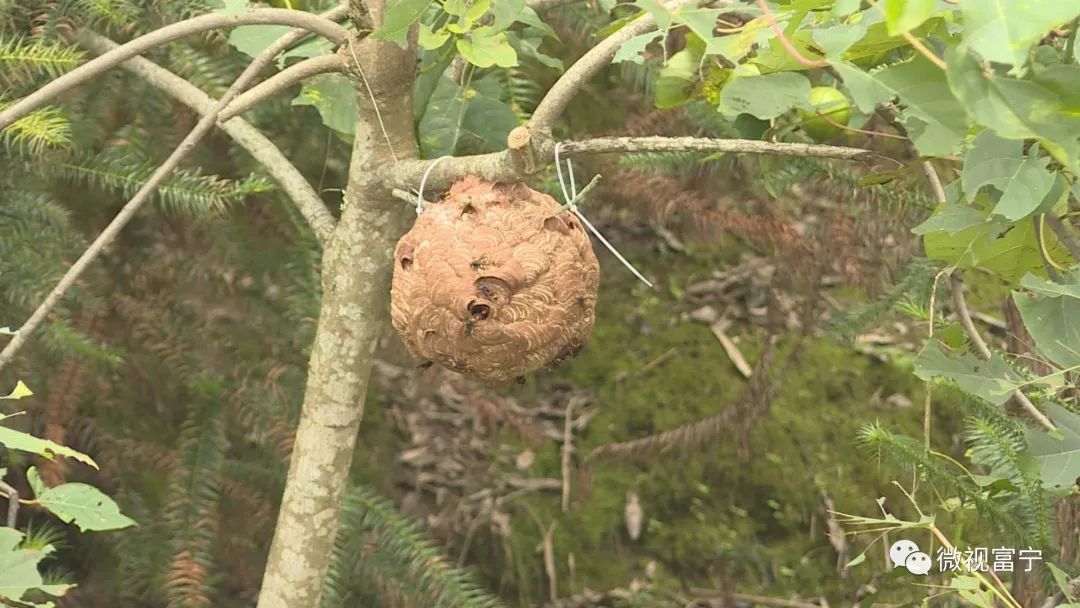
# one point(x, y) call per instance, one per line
point(570, 197)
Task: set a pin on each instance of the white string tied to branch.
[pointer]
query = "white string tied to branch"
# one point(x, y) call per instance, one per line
point(570, 196)
point(423, 180)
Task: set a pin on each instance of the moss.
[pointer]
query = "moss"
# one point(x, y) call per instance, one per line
point(711, 514)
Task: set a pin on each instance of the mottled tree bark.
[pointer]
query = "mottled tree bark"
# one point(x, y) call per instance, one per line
point(356, 282)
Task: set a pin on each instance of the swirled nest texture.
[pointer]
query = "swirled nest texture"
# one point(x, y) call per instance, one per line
point(494, 282)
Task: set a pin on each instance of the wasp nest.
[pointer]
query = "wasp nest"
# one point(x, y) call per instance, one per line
point(494, 282)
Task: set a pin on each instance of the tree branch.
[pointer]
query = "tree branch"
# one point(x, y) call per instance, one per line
point(292, 182)
point(567, 86)
point(1064, 235)
point(281, 81)
point(128, 211)
point(984, 351)
point(500, 166)
point(308, 21)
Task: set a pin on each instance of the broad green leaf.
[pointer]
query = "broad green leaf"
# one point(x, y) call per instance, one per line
point(951, 218)
point(658, 11)
point(1058, 454)
point(1047, 288)
point(529, 17)
point(454, 114)
point(989, 160)
point(1046, 107)
point(634, 48)
point(1009, 250)
point(905, 15)
point(836, 39)
point(506, 12)
point(1024, 183)
point(677, 80)
point(529, 47)
point(398, 18)
point(83, 505)
point(334, 96)
point(991, 380)
point(24, 442)
point(934, 118)
point(253, 39)
point(1004, 30)
point(19, 567)
point(765, 96)
point(430, 40)
point(875, 47)
point(970, 589)
point(485, 48)
point(1062, 580)
point(20, 391)
point(1054, 324)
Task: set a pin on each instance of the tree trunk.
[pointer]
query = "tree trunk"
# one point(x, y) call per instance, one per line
point(356, 277)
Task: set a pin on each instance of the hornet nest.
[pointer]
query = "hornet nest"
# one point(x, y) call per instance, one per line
point(494, 282)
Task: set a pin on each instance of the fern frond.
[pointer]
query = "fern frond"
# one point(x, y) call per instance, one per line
point(914, 284)
point(401, 546)
point(909, 453)
point(185, 192)
point(523, 93)
point(113, 12)
point(194, 497)
point(36, 132)
point(23, 59)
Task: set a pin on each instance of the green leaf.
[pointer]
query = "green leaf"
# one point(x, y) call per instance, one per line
point(765, 96)
point(19, 567)
point(677, 80)
point(20, 391)
point(836, 39)
point(1048, 288)
point(24, 442)
point(1062, 581)
point(934, 118)
point(454, 113)
point(529, 17)
point(430, 40)
point(7, 331)
point(1046, 107)
point(506, 12)
point(1009, 250)
point(253, 39)
point(485, 48)
point(398, 18)
point(1054, 324)
point(1004, 30)
point(334, 96)
point(634, 48)
point(905, 15)
point(991, 380)
point(83, 505)
point(989, 160)
point(951, 218)
point(1058, 454)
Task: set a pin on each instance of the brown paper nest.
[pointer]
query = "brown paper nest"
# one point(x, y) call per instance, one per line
point(494, 282)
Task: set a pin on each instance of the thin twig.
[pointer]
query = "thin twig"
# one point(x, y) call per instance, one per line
point(960, 304)
point(574, 78)
point(580, 195)
point(13, 503)
point(567, 451)
point(292, 182)
point(1064, 235)
point(201, 129)
point(292, 75)
point(161, 36)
